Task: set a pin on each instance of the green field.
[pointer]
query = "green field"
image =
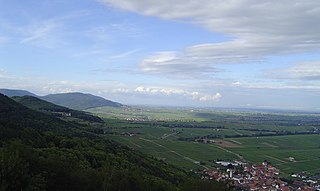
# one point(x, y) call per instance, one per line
point(145, 113)
point(231, 119)
point(305, 149)
point(162, 133)
point(183, 154)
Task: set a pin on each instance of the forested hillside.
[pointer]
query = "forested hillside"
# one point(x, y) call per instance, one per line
point(42, 152)
point(56, 110)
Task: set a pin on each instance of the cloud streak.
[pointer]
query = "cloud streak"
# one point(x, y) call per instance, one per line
point(172, 64)
point(255, 30)
point(124, 54)
point(43, 34)
point(306, 71)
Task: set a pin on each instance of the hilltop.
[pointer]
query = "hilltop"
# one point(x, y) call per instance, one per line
point(79, 101)
point(75, 100)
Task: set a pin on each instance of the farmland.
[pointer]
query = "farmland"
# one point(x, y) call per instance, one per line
point(303, 150)
point(289, 141)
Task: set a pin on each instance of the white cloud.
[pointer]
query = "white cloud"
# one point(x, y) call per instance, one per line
point(109, 89)
point(197, 95)
point(307, 71)
point(254, 29)
point(215, 97)
point(173, 64)
point(158, 90)
point(120, 90)
point(236, 83)
point(178, 92)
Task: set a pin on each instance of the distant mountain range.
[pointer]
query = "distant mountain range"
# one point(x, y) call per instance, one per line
point(11, 93)
point(79, 101)
point(76, 100)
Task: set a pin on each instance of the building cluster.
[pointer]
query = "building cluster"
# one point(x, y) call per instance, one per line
point(264, 177)
point(133, 119)
point(205, 141)
point(62, 114)
point(129, 134)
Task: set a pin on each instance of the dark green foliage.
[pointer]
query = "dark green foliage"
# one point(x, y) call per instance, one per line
point(41, 152)
point(56, 110)
point(15, 171)
point(20, 122)
point(79, 101)
point(201, 185)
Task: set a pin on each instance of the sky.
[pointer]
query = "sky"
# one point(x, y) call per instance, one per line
point(204, 53)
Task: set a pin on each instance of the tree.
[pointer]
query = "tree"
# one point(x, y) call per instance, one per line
point(15, 173)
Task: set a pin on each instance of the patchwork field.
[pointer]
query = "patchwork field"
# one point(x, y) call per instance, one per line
point(289, 141)
point(291, 154)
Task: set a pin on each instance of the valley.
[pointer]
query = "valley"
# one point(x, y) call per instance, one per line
point(188, 142)
point(195, 139)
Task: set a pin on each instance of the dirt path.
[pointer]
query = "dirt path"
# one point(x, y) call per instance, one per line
point(228, 151)
point(237, 132)
point(168, 135)
point(152, 142)
point(172, 151)
point(135, 144)
point(269, 145)
point(237, 142)
point(282, 161)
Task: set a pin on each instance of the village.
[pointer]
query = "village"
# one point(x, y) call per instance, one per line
point(264, 177)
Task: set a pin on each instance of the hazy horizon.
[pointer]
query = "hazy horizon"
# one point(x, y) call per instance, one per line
point(231, 54)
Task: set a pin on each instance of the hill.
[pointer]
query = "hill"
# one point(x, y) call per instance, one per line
point(18, 121)
point(79, 101)
point(75, 100)
point(11, 93)
point(56, 110)
point(39, 151)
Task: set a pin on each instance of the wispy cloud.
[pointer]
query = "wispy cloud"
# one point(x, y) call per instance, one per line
point(52, 32)
point(124, 54)
point(171, 64)
point(44, 34)
point(306, 71)
point(256, 29)
point(114, 31)
point(48, 32)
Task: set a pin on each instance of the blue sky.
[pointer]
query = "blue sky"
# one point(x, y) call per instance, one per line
point(244, 53)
